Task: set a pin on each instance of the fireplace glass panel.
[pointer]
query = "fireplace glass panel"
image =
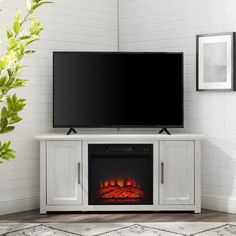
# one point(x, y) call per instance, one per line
point(120, 174)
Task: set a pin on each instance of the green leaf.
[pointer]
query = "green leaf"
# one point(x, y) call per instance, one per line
point(22, 49)
point(9, 72)
point(15, 119)
point(12, 43)
point(7, 60)
point(31, 41)
point(18, 67)
point(35, 6)
point(7, 130)
point(3, 81)
point(18, 15)
point(19, 107)
point(4, 113)
point(16, 26)
point(4, 123)
point(25, 37)
point(21, 100)
point(8, 143)
point(9, 102)
point(10, 80)
point(29, 6)
point(9, 33)
point(2, 64)
point(10, 156)
point(4, 146)
point(29, 52)
point(14, 98)
point(12, 114)
point(19, 83)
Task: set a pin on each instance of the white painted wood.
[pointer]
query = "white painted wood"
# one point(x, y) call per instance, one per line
point(43, 176)
point(122, 137)
point(64, 173)
point(123, 208)
point(177, 174)
point(115, 208)
point(155, 174)
point(85, 171)
point(197, 176)
point(63, 154)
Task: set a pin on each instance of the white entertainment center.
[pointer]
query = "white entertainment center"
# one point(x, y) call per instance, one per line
point(64, 171)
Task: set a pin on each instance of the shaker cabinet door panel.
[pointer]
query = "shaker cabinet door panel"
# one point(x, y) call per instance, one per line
point(64, 173)
point(176, 168)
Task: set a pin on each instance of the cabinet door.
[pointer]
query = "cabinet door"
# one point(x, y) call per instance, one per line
point(64, 173)
point(176, 172)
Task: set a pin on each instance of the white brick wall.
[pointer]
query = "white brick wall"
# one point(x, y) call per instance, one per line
point(171, 25)
point(69, 25)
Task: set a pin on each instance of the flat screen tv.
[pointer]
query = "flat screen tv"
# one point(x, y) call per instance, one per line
point(117, 89)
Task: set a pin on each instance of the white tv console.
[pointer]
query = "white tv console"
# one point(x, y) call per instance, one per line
point(64, 171)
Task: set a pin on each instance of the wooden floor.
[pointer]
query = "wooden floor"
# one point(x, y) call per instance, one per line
point(34, 217)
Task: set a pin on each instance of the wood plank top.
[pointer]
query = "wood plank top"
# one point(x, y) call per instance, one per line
point(146, 137)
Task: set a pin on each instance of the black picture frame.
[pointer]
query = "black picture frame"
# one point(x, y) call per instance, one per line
point(216, 86)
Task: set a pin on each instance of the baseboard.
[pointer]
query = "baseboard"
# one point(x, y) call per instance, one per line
point(18, 205)
point(219, 203)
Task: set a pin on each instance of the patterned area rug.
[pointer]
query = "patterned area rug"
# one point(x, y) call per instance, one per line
point(118, 229)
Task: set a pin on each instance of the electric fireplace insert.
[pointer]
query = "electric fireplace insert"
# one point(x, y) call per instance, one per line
point(120, 174)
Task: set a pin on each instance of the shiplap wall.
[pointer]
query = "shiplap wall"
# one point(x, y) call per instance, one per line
point(171, 25)
point(145, 25)
point(69, 25)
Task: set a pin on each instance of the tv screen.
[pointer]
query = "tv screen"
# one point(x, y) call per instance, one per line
point(117, 89)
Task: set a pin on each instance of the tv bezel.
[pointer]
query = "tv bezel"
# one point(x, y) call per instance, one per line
point(120, 126)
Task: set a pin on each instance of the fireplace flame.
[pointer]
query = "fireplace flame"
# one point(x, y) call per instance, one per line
point(129, 182)
point(106, 183)
point(120, 189)
point(112, 182)
point(120, 182)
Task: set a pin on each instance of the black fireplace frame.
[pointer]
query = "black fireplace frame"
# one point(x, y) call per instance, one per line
point(117, 149)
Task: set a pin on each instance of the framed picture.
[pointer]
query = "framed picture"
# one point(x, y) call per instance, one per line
point(216, 61)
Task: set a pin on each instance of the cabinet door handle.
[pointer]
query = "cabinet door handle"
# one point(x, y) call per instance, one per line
point(79, 173)
point(162, 172)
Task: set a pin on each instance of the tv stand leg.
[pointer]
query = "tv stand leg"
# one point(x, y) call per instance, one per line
point(71, 130)
point(164, 130)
